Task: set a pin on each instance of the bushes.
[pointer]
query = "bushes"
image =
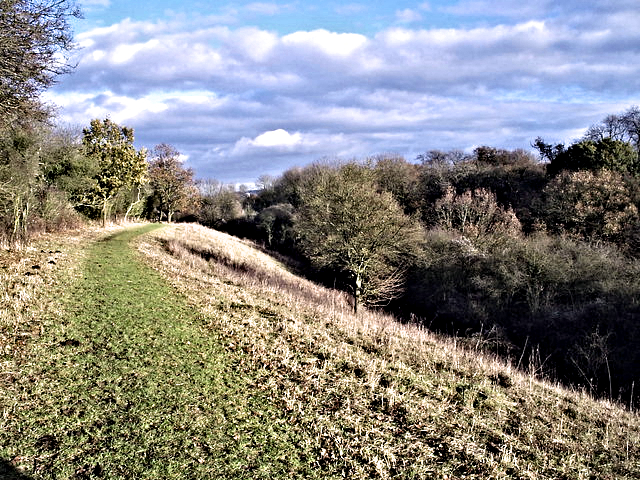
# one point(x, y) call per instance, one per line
point(476, 215)
point(506, 261)
point(570, 306)
point(590, 205)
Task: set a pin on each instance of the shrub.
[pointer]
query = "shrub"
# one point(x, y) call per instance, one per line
point(590, 205)
point(569, 306)
point(475, 215)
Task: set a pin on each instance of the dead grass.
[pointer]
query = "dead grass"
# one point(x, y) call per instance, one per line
point(376, 399)
point(26, 273)
point(386, 400)
point(30, 276)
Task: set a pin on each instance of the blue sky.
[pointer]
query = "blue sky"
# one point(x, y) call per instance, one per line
point(244, 89)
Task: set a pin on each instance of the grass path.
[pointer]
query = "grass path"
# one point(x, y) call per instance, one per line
point(251, 372)
point(134, 385)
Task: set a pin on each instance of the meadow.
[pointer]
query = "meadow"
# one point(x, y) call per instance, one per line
point(182, 352)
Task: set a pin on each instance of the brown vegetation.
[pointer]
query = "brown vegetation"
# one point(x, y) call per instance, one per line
point(384, 399)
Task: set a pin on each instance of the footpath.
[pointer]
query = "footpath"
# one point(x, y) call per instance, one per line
point(132, 385)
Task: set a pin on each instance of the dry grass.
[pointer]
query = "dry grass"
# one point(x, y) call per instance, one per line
point(27, 274)
point(31, 280)
point(386, 400)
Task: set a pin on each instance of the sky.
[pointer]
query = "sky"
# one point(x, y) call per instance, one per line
point(246, 89)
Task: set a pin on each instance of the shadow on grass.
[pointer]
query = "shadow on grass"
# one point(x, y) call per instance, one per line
point(8, 472)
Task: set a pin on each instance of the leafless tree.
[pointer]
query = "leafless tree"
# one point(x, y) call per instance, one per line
point(35, 45)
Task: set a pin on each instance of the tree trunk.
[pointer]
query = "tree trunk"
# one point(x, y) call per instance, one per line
point(133, 204)
point(357, 288)
point(104, 212)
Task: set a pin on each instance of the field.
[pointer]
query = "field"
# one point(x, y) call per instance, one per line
point(181, 352)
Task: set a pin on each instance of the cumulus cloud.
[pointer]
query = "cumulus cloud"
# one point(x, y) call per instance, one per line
point(279, 139)
point(244, 101)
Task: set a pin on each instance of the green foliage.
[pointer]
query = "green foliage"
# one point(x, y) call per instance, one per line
point(547, 151)
point(286, 189)
point(609, 154)
point(363, 235)
point(65, 167)
point(395, 175)
point(119, 165)
point(28, 203)
point(277, 222)
point(498, 156)
point(19, 182)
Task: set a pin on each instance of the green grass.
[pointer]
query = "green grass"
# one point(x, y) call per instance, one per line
point(132, 384)
point(385, 400)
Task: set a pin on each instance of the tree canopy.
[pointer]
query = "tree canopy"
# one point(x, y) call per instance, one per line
point(607, 153)
point(172, 184)
point(346, 224)
point(119, 165)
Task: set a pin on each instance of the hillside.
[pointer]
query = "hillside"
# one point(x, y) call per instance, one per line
point(309, 389)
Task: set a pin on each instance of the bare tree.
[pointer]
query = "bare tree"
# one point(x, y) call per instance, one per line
point(624, 127)
point(611, 127)
point(173, 185)
point(35, 43)
point(362, 234)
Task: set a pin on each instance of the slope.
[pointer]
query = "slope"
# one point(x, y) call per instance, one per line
point(240, 369)
point(385, 400)
point(131, 384)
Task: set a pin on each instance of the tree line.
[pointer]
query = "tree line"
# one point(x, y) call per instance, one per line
point(532, 256)
point(50, 179)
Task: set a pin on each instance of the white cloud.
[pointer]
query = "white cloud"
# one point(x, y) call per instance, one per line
point(123, 54)
point(279, 141)
point(249, 94)
point(277, 138)
point(335, 45)
point(255, 44)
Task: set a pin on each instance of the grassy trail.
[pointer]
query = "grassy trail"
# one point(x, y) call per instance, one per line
point(134, 385)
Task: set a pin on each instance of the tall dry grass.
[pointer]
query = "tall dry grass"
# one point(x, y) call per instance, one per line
point(385, 399)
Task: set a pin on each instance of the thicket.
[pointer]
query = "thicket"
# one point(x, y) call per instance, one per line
point(533, 258)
